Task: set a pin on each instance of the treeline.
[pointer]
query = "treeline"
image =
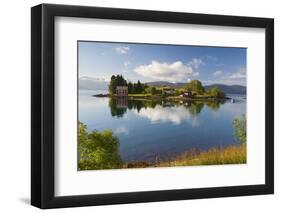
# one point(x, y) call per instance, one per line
point(133, 88)
point(193, 86)
point(138, 87)
point(197, 87)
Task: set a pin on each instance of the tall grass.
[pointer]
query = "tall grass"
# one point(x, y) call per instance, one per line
point(234, 154)
point(230, 155)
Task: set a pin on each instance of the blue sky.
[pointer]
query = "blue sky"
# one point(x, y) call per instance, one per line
point(154, 62)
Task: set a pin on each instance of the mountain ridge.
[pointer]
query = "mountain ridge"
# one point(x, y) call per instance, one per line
point(228, 89)
point(89, 83)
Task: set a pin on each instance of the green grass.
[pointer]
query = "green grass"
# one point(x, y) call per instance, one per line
point(235, 154)
point(139, 95)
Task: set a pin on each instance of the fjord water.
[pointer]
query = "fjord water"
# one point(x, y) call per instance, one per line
point(160, 130)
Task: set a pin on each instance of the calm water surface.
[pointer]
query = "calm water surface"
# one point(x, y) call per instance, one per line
point(147, 130)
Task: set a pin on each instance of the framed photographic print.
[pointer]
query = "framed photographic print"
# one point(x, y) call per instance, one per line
point(140, 106)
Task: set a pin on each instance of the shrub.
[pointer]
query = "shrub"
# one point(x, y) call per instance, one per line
point(97, 150)
point(240, 129)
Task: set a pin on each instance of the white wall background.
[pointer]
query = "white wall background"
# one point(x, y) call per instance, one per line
point(15, 105)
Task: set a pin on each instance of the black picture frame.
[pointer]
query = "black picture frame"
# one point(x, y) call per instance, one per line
point(43, 105)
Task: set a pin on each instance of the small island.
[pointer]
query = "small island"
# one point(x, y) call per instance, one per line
point(192, 90)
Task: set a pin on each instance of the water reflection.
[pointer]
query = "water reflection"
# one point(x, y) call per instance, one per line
point(116, 108)
point(175, 115)
point(148, 128)
point(161, 111)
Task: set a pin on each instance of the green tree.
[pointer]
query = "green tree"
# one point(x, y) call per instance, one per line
point(138, 87)
point(121, 81)
point(215, 92)
point(112, 85)
point(240, 129)
point(130, 88)
point(116, 81)
point(195, 86)
point(150, 90)
point(153, 90)
point(97, 150)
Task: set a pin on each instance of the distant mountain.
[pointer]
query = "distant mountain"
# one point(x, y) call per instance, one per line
point(89, 83)
point(229, 89)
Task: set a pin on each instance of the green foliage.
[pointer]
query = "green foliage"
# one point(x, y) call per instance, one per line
point(131, 89)
point(150, 90)
point(136, 88)
point(216, 92)
point(97, 150)
point(195, 86)
point(116, 81)
point(153, 90)
point(177, 92)
point(240, 129)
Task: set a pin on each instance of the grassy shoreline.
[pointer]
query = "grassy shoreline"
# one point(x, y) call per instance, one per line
point(234, 154)
point(175, 99)
point(147, 97)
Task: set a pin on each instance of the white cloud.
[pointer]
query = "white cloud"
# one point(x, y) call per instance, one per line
point(121, 130)
point(122, 50)
point(174, 72)
point(217, 73)
point(195, 63)
point(196, 74)
point(240, 74)
point(234, 78)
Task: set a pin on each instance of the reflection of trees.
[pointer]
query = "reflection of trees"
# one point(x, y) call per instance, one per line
point(139, 104)
point(97, 150)
point(215, 105)
point(136, 104)
point(119, 106)
point(115, 109)
point(151, 104)
point(195, 108)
